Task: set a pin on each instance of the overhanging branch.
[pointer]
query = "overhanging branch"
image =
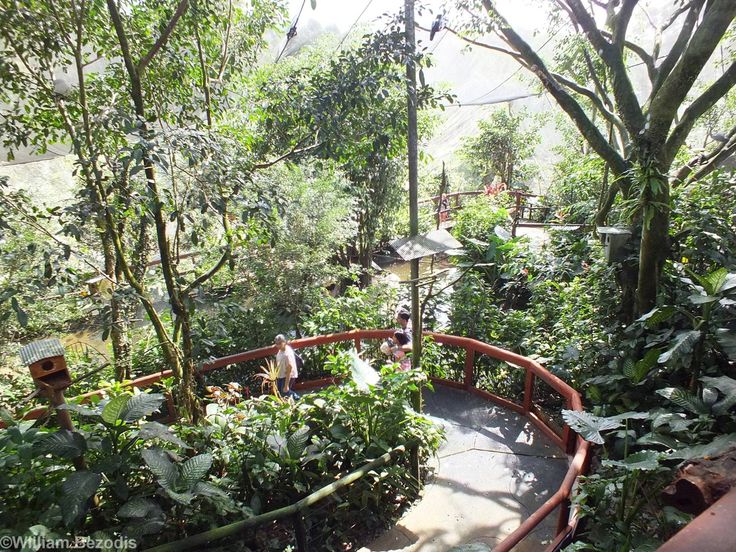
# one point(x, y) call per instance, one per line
point(699, 106)
point(180, 9)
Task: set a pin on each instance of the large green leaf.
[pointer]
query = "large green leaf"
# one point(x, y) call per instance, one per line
point(77, 489)
point(710, 449)
point(656, 316)
point(685, 399)
point(589, 426)
point(140, 507)
point(195, 469)
point(683, 344)
point(80, 409)
point(297, 442)
point(141, 405)
point(727, 340)
point(162, 468)
point(636, 371)
point(725, 385)
point(64, 443)
point(645, 460)
point(114, 408)
point(156, 430)
point(713, 282)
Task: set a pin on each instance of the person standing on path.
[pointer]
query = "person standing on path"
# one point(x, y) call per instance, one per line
point(286, 363)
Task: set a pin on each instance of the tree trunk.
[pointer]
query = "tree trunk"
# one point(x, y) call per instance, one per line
point(655, 245)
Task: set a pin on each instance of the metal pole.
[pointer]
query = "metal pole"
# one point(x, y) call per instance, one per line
point(412, 140)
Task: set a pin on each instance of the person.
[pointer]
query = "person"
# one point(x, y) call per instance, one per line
point(402, 339)
point(397, 346)
point(444, 208)
point(286, 363)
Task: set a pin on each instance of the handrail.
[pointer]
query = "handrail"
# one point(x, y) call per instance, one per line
point(569, 442)
point(280, 513)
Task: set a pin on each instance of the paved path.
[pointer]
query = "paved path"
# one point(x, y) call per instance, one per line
point(493, 471)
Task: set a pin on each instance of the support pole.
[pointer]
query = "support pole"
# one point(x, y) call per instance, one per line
point(412, 140)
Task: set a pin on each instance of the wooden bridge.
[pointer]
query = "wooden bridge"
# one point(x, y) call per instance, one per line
point(528, 211)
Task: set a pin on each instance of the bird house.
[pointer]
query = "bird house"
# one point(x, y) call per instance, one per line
point(45, 359)
point(614, 240)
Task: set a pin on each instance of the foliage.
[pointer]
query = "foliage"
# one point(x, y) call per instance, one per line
point(576, 186)
point(502, 147)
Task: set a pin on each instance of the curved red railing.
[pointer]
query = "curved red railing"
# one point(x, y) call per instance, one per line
point(566, 440)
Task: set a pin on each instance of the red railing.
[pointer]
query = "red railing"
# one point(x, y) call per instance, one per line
point(565, 439)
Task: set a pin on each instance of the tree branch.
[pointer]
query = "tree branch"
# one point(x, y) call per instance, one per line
point(699, 106)
point(665, 68)
point(706, 163)
point(609, 116)
point(294, 151)
point(535, 64)
point(642, 54)
point(623, 91)
point(514, 55)
point(210, 273)
point(622, 23)
point(180, 9)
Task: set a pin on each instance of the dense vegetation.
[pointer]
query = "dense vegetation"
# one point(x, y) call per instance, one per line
point(222, 199)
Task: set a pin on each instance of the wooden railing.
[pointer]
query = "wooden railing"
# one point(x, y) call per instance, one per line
point(564, 438)
point(454, 202)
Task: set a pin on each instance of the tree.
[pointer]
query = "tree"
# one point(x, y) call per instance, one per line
point(351, 109)
point(501, 147)
point(646, 131)
point(142, 129)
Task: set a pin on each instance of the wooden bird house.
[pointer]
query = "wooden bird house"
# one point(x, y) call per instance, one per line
point(45, 359)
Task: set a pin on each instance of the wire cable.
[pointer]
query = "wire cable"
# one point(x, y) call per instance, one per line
point(352, 26)
point(292, 32)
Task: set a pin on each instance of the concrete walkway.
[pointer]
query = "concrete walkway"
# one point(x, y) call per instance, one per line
point(493, 471)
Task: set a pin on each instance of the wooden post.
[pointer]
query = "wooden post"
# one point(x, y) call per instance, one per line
point(528, 390)
point(469, 368)
point(56, 398)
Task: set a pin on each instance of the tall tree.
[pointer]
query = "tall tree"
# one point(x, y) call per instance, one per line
point(648, 128)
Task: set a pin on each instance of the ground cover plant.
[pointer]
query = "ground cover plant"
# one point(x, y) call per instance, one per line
point(121, 474)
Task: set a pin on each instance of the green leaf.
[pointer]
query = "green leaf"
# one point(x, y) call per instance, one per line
point(297, 442)
point(645, 460)
point(697, 299)
point(713, 282)
point(79, 409)
point(684, 399)
point(77, 489)
point(64, 443)
point(195, 469)
point(20, 314)
point(207, 489)
point(683, 344)
point(629, 416)
point(113, 409)
point(155, 430)
point(725, 385)
point(162, 468)
point(710, 449)
point(589, 426)
point(727, 340)
point(140, 507)
point(657, 315)
point(140, 406)
point(641, 368)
